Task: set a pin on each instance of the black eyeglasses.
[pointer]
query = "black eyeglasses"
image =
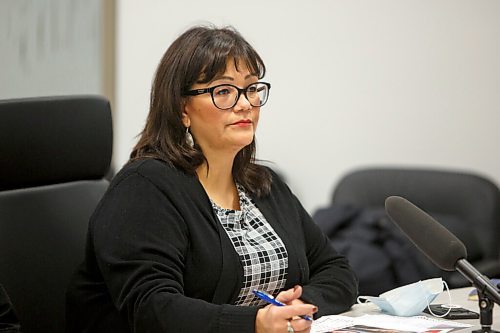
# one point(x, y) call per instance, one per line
point(225, 96)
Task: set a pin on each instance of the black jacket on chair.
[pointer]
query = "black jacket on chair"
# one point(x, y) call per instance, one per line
point(465, 203)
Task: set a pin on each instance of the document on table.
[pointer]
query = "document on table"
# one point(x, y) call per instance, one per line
point(383, 322)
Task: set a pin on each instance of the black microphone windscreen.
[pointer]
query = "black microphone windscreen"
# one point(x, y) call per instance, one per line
point(434, 240)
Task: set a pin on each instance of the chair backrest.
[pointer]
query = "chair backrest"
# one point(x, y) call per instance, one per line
point(55, 153)
point(470, 197)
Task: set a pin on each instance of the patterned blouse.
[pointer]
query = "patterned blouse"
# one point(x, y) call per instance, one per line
point(262, 253)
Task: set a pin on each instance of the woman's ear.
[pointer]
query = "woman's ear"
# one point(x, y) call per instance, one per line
point(185, 116)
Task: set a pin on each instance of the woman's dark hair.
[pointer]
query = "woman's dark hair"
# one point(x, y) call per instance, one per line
point(197, 56)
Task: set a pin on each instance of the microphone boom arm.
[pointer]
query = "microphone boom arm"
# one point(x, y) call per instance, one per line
point(478, 280)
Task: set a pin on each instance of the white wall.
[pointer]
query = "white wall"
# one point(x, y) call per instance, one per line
point(50, 47)
point(354, 82)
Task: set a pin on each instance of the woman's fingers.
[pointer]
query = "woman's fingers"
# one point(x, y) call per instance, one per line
point(273, 318)
point(294, 311)
point(300, 325)
point(289, 295)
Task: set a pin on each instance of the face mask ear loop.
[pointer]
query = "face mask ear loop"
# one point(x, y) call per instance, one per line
point(449, 303)
point(361, 300)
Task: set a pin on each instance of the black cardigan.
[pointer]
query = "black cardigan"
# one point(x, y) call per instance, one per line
point(158, 260)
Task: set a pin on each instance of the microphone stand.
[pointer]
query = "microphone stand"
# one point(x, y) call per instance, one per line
point(485, 313)
point(486, 292)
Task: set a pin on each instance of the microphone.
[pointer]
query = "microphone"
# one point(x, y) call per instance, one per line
point(443, 248)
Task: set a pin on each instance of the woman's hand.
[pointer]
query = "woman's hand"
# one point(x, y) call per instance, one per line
point(271, 318)
point(291, 296)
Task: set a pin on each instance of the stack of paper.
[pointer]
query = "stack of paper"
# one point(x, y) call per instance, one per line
point(383, 323)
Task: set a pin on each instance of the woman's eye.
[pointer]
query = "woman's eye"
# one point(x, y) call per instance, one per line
point(222, 91)
point(251, 89)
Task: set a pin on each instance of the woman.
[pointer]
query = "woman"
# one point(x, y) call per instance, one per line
point(191, 225)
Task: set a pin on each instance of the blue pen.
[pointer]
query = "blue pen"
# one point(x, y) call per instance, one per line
point(270, 299)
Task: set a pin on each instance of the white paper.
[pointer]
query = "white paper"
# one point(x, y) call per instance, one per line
point(331, 323)
point(410, 324)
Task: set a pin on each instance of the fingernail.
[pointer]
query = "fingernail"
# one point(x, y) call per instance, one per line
point(315, 309)
point(295, 287)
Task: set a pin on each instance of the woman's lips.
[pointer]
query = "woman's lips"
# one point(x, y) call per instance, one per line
point(244, 122)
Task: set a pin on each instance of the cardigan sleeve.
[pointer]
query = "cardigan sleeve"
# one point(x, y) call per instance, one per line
point(140, 242)
point(332, 285)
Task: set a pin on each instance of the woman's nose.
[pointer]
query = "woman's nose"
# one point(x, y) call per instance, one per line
point(242, 104)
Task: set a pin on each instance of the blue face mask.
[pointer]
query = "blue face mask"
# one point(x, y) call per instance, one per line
point(409, 300)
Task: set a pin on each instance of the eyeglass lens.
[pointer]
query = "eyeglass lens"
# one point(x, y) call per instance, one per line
point(226, 96)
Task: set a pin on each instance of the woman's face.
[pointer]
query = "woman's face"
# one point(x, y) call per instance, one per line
point(216, 130)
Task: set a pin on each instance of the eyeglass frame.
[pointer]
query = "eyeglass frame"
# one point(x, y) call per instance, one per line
point(196, 92)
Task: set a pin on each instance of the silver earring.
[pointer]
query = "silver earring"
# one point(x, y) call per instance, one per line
point(189, 138)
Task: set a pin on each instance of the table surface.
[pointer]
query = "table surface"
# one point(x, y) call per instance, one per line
point(458, 297)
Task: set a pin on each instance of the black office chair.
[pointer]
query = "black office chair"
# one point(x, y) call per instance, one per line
point(55, 153)
point(470, 199)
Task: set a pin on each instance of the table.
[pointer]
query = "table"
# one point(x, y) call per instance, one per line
point(458, 297)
